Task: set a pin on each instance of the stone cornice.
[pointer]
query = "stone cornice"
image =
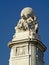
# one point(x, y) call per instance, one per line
point(32, 41)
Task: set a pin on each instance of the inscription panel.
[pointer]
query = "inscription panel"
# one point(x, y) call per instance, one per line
point(21, 50)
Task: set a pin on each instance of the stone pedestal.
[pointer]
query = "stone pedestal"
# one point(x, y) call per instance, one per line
point(26, 52)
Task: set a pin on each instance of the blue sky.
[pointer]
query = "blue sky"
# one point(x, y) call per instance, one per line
point(9, 16)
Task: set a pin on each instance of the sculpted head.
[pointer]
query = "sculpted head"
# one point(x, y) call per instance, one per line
point(27, 12)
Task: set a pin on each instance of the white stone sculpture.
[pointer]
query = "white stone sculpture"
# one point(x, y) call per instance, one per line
point(27, 26)
point(26, 47)
point(28, 21)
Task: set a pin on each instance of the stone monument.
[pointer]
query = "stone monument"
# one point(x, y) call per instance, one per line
point(26, 46)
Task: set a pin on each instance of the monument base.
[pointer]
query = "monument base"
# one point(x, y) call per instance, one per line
point(26, 52)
